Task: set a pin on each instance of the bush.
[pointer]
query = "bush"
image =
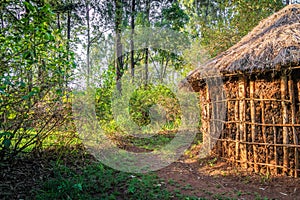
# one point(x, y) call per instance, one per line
point(35, 69)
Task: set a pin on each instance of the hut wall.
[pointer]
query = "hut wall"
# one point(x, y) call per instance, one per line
point(262, 124)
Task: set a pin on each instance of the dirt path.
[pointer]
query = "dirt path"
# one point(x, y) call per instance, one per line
point(208, 178)
point(214, 179)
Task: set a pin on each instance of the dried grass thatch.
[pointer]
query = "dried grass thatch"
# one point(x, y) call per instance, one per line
point(272, 45)
point(250, 97)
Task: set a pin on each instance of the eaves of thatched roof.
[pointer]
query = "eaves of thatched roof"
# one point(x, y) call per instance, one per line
point(274, 44)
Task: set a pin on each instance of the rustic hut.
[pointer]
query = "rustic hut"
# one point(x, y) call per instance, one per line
point(261, 84)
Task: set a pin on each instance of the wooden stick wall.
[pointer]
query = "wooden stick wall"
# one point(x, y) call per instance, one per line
point(262, 127)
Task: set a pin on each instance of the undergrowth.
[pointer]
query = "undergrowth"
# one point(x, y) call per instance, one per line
point(99, 182)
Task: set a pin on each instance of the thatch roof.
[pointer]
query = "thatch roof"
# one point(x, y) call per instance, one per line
point(274, 44)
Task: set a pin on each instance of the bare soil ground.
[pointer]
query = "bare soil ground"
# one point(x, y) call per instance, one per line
point(207, 178)
point(214, 179)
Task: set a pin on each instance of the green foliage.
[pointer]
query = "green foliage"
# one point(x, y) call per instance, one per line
point(221, 24)
point(153, 143)
point(143, 107)
point(35, 68)
point(96, 181)
point(174, 17)
point(145, 97)
point(99, 182)
point(103, 100)
point(104, 95)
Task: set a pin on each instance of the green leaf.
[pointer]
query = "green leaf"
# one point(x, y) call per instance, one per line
point(29, 6)
point(26, 55)
point(2, 91)
point(59, 92)
point(78, 186)
point(3, 134)
point(26, 97)
point(6, 142)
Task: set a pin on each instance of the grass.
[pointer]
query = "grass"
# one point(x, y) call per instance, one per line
point(96, 181)
point(93, 180)
point(99, 182)
point(152, 143)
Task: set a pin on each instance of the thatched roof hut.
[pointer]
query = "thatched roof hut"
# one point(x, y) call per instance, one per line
point(261, 84)
point(272, 45)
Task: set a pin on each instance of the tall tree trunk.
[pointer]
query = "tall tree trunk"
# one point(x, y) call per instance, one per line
point(58, 20)
point(119, 47)
point(132, 37)
point(206, 11)
point(68, 29)
point(68, 43)
point(2, 21)
point(87, 8)
point(30, 70)
point(147, 49)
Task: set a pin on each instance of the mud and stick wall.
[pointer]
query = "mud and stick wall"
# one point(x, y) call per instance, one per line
point(255, 121)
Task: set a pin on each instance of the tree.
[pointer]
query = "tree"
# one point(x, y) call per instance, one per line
point(227, 21)
point(132, 63)
point(148, 4)
point(119, 48)
point(31, 105)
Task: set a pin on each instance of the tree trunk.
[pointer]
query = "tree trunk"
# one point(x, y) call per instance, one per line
point(87, 8)
point(68, 29)
point(2, 21)
point(68, 43)
point(119, 47)
point(147, 49)
point(132, 37)
point(58, 20)
point(30, 70)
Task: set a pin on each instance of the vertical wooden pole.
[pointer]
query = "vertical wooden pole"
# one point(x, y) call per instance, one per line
point(237, 134)
point(284, 121)
point(293, 109)
point(227, 149)
point(212, 96)
point(220, 105)
point(298, 89)
point(217, 123)
point(253, 126)
point(298, 110)
point(242, 114)
point(205, 119)
point(275, 147)
point(263, 129)
point(208, 121)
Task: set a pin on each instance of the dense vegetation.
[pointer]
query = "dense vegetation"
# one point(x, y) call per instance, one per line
point(49, 47)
